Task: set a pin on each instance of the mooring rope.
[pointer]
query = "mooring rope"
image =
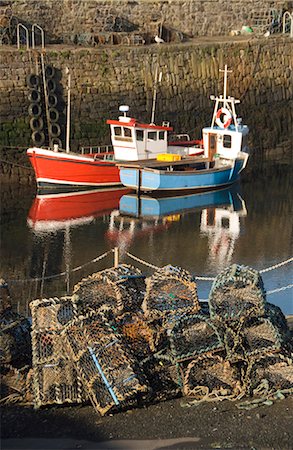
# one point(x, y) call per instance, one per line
point(98, 258)
point(152, 266)
point(276, 266)
point(15, 164)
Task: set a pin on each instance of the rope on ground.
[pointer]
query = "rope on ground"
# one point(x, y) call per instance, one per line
point(15, 164)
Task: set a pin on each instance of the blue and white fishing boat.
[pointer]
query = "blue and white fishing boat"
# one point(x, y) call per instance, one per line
point(225, 156)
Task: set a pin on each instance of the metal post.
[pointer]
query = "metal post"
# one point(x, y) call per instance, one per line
point(116, 256)
point(68, 110)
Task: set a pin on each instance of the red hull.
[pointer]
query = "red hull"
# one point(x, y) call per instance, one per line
point(69, 169)
point(60, 209)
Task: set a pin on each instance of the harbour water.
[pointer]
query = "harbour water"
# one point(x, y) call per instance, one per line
point(48, 243)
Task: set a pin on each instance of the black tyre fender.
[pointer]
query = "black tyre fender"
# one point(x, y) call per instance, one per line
point(51, 86)
point(49, 72)
point(53, 115)
point(54, 130)
point(36, 123)
point(38, 137)
point(34, 110)
point(33, 81)
point(34, 96)
point(52, 100)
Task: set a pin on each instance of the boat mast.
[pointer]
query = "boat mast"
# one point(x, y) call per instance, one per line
point(68, 110)
point(155, 92)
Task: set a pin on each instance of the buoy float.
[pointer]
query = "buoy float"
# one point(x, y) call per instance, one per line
point(223, 118)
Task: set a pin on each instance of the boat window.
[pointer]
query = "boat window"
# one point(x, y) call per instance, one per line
point(127, 132)
point(227, 142)
point(152, 135)
point(161, 135)
point(117, 131)
point(139, 135)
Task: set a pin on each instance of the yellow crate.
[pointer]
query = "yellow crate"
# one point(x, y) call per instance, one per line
point(168, 157)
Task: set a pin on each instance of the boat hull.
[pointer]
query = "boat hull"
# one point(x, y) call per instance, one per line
point(66, 170)
point(147, 179)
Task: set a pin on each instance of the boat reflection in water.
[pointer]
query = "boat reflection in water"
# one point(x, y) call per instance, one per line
point(52, 212)
point(220, 211)
point(52, 218)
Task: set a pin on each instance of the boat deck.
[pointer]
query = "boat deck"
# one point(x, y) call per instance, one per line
point(155, 164)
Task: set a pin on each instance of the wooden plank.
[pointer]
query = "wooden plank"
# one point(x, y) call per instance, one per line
point(153, 163)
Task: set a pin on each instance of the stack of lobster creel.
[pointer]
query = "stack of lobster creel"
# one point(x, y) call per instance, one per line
point(45, 125)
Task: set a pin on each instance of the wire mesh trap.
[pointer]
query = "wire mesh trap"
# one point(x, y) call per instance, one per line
point(15, 339)
point(120, 287)
point(260, 336)
point(236, 292)
point(55, 378)
point(193, 335)
point(170, 290)
point(141, 336)
point(110, 376)
point(276, 369)
point(163, 376)
point(211, 376)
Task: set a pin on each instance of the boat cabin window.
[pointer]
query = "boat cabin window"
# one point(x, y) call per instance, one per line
point(117, 131)
point(161, 135)
point(152, 135)
point(227, 141)
point(127, 132)
point(123, 133)
point(139, 135)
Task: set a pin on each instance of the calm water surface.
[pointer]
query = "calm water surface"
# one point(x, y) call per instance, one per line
point(250, 224)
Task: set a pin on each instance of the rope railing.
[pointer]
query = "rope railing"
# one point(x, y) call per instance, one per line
point(152, 266)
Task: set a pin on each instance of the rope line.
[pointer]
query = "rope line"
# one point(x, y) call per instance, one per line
point(135, 258)
point(98, 258)
point(276, 266)
point(273, 291)
point(15, 164)
point(142, 261)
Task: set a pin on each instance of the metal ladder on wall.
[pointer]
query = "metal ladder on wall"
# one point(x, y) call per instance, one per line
point(288, 23)
point(35, 28)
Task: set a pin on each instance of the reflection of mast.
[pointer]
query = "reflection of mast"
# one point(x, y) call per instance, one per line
point(67, 255)
point(222, 226)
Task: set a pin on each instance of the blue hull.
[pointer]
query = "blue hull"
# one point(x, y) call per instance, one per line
point(161, 180)
point(152, 207)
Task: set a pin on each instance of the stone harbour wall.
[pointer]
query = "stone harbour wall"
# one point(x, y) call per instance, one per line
point(65, 19)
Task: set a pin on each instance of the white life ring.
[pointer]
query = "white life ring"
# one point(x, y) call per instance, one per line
point(227, 119)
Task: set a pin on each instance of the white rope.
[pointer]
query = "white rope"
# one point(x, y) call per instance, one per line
point(98, 258)
point(276, 266)
point(142, 261)
point(135, 258)
point(273, 291)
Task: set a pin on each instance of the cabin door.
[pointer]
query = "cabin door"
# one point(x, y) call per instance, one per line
point(212, 145)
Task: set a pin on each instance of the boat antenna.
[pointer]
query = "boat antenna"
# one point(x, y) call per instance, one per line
point(225, 84)
point(68, 109)
point(155, 92)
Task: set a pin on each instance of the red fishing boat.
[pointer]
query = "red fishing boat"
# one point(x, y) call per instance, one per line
point(131, 141)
